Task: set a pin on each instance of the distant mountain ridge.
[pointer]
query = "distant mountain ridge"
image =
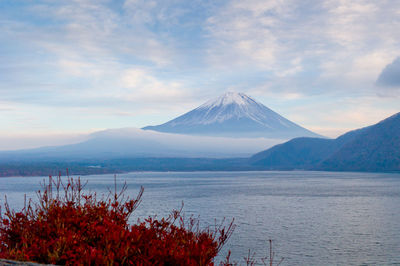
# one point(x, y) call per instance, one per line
point(138, 143)
point(376, 148)
point(233, 115)
point(373, 148)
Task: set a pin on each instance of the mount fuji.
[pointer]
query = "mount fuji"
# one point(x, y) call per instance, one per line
point(234, 115)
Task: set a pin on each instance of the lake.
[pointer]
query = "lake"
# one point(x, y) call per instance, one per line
point(313, 218)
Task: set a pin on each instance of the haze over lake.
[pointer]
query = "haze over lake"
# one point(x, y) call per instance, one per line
point(314, 218)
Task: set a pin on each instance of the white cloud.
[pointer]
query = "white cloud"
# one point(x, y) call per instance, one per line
point(328, 45)
point(139, 85)
point(242, 34)
point(34, 140)
point(94, 51)
point(94, 31)
point(362, 36)
point(347, 21)
point(325, 114)
point(80, 68)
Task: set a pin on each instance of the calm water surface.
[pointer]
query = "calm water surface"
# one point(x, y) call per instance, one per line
point(314, 218)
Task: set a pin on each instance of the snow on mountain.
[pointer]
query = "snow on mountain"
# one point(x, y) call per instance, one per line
point(228, 98)
point(233, 115)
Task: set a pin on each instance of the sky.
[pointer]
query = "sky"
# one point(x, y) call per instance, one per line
point(69, 68)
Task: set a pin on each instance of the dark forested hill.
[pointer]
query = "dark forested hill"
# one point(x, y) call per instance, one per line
point(374, 148)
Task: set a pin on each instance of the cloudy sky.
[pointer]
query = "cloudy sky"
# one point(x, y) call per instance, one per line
point(73, 67)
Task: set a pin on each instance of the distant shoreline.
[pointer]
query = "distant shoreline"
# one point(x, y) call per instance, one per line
point(135, 165)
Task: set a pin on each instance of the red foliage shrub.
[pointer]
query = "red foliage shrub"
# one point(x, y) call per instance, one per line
point(68, 226)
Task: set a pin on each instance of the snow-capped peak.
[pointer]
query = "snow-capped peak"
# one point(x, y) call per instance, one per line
point(232, 114)
point(230, 105)
point(229, 98)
